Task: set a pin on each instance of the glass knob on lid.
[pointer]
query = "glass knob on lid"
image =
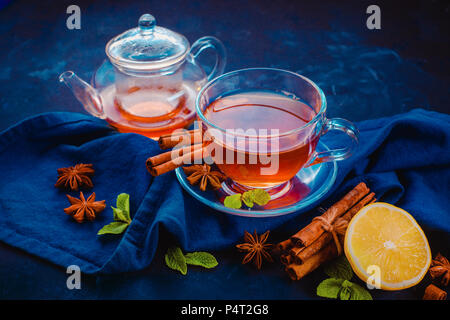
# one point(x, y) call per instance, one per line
point(147, 24)
point(147, 48)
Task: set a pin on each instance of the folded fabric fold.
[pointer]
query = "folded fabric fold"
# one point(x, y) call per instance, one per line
point(405, 159)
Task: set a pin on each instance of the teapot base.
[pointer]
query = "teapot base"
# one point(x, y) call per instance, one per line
point(151, 133)
point(149, 118)
point(151, 104)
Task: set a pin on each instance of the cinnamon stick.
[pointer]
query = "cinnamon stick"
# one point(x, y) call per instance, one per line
point(295, 251)
point(189, 157)
point(169, 155)
point(314, 230)
point(284, 246)
point(301, 254)
point(298, 271)
point(434, 293)
point(180, 138)
point(286, 259)
point(304, 253)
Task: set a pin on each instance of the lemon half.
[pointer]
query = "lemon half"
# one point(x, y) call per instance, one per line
point(386, 238)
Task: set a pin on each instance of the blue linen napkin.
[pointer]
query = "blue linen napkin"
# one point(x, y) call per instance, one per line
point(404, 159)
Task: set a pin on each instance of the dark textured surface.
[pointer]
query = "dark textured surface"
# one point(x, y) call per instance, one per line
point(365, 74)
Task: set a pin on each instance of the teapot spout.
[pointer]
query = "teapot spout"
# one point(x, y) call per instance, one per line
point(85, 93)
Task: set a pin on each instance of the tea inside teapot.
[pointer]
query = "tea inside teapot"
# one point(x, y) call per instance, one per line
point(153, 103)
point(150, 111)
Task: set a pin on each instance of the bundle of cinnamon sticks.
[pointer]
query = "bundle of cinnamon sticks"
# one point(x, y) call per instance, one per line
point(322, 239)
point(190, 148)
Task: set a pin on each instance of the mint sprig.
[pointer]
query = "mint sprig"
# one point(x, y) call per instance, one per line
point(340, 268)
point(255, 196)
point(121, 216)
point(339, 286)
point(343, 289)
point(176, 260)
point(233, 201)
point(203, 259)
point(329, 288)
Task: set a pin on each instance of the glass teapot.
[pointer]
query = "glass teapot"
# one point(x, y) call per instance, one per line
point(149, 83)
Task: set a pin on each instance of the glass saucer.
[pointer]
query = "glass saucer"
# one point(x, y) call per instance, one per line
point(307, 188)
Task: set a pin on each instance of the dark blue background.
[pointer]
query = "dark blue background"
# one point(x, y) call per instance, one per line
point(364, 73)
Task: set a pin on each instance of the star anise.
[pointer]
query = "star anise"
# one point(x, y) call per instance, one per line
point(256, 247)
point(203, 174)
point(440, 270)
point(82, 208)
point(75, 177)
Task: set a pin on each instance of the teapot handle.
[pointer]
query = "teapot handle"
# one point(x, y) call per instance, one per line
point(221, 55)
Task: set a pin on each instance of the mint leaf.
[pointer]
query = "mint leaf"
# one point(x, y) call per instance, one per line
point(233, 201)
point(119, 215)
point(260, 196)
point(123, 203)
point(340, 268)
point(347, 284)
point(113, 228)
point(175, 260)
point(360, 293)
point(203, 259)
point(329, 288)
point(345, 293)
point(247, 199)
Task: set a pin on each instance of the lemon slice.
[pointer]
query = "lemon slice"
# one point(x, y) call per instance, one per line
point(386, 240)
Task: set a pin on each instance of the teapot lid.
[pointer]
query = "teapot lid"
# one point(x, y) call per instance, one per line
point(147, 47)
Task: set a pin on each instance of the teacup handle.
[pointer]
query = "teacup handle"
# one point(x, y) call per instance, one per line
point(337, 154)
point(221, 55)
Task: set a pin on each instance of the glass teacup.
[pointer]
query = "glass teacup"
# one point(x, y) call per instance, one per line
point(265, 125)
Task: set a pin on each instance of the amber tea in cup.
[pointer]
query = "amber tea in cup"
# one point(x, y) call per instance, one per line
point(261, 114)
point(265, 125)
